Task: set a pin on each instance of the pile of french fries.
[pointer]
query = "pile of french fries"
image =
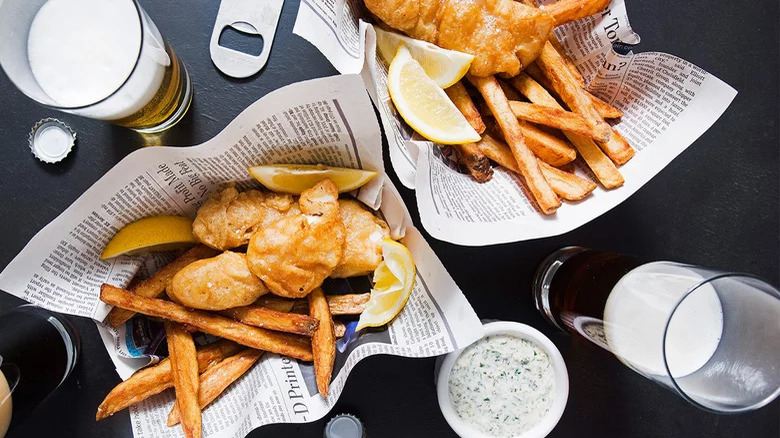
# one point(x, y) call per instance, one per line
point(536, 123)
point(303, 329)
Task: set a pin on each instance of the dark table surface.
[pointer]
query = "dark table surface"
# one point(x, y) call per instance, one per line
point(715, 205)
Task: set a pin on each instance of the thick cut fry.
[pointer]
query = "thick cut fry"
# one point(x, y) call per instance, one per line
point(275, 303)
point(604, 109)
point(324, 340)
point(542, 192)
point(349, 304)
point(217, 378)
point(545, 146)
point(551, 64)
point(282, 343)
point(155, 379)
point(569, 62)
point(565, 11)
point(554, 68)
point(559, 119)
point(474, 161)
point(621, 151)
point(184, 367)
point(460, 97)
point(600, 164)
point(273, 320)
point(566, 185)
point(154, 286)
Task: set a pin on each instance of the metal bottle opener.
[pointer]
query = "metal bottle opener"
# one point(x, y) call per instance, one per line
point(259, 17)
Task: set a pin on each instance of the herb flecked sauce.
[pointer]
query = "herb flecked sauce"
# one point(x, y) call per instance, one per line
point(502, 385)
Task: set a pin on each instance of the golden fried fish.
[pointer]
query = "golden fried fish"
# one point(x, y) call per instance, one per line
point(363, 244)
point(218, 283)
point(228, 218)
point(295, 254)
point(504, 36)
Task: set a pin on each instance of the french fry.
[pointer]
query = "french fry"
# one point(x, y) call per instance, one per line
point(282, 343)
point(621, 150)
point(474, 161)
point(569, 62)
point(217, 378)
point(604, 109)
point(496, 100)
point(604, 169)
point(155, 285)
point(559, 119)
point(348, 304)
point(324, 340)
point(184, 368)
point(565, 11)
point(561, 80)
point(460, 97)
point(273, 302)
point(545, 146)
point(566, 185)
point(155, 379)
point(266, 318)
point(553, 67)
point(339, 329)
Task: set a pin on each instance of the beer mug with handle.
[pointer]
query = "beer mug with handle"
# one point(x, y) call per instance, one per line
point(713, 337)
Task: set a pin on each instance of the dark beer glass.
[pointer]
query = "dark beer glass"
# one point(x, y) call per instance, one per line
point(713, 337)
point(38, 350)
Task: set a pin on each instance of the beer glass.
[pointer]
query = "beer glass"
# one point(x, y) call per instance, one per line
point(38, 350)
point(713, 337)
point(103, 59)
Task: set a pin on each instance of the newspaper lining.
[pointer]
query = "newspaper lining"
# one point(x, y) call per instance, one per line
point(326, 121)
point(667, 103)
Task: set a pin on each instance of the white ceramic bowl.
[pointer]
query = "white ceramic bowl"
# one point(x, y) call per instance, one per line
point(561, 391)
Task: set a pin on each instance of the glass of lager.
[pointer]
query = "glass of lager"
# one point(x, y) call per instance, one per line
point(103, 59)
point(712, 337)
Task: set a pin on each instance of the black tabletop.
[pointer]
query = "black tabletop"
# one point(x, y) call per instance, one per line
point(715, 205)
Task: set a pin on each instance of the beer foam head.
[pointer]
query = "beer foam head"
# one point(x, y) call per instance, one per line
point(81, 51)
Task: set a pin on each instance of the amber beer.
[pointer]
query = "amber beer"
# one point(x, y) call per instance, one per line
point(170, 99)
point(575, 281)
point(39, 350)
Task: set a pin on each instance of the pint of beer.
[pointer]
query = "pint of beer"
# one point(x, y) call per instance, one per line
point(103, 59)
point(699, 331)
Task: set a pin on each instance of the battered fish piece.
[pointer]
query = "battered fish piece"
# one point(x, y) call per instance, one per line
point(363, 245)
point(218, 283)
point(504, 36)
point(294, 255)
point(228, 218)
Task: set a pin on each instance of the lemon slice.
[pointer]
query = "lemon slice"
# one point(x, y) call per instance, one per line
point(393, 284)
point(156, 233)
point(425, 106)
point(444, 66)
point(295, 178)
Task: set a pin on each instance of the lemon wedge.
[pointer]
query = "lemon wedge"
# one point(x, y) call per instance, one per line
point(393, 284)
point(444, 66)
point(425, 106)
point(155, 233)
point(295, 178)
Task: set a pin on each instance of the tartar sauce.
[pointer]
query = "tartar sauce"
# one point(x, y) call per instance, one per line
point(502, 385)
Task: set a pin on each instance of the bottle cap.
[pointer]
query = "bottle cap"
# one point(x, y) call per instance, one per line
point(344, 426)
point(51, 140)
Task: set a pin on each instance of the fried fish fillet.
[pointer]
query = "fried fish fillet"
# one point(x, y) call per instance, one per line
point(363, 245)
point(295, 254)
point(228, 218)
point(218, 283)
point(504, 36)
